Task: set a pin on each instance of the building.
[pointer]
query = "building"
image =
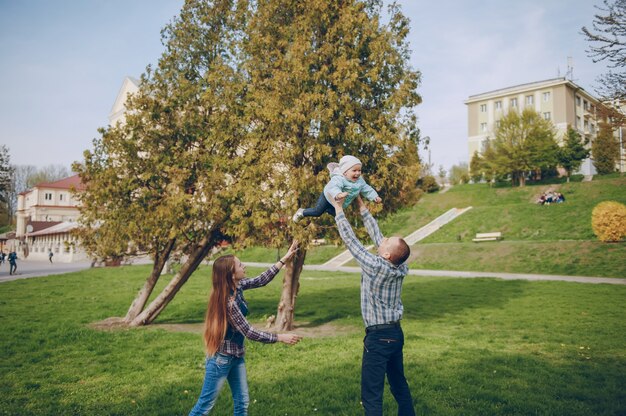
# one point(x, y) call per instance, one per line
point(559, 100)
point(118, 112)
point(46, 216)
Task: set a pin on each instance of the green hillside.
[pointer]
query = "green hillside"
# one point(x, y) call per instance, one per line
point(549, 239)
point(554, 239)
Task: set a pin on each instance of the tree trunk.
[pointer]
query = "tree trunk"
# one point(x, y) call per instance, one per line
point(144, 294)
point(291, 286)
point(163, 299)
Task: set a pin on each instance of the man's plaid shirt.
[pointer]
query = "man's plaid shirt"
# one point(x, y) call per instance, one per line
point(238, 322)
point(381, 281)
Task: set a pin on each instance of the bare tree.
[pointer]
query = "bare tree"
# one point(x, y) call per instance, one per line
point(607, 38)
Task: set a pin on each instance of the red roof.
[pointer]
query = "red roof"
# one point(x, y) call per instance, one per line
point(42, 225)
point(67, 183)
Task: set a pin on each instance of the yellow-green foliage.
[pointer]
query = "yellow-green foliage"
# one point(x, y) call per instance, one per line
point(608, 221)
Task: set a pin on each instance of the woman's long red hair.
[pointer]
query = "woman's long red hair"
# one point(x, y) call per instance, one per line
point(216, 321)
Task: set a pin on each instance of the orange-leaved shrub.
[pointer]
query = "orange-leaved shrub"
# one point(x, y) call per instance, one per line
point(608, 220)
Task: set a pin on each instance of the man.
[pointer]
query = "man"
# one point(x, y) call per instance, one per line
point(50, 255)
point(382, 275)
point(12, 262)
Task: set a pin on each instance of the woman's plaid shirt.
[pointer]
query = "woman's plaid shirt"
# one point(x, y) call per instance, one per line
point(381, 280)
point(239, 322)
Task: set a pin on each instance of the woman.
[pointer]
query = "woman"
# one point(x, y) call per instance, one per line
point(226, 327)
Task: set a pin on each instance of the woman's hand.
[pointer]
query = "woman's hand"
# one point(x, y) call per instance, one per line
point(292, 250)
point(290, 339)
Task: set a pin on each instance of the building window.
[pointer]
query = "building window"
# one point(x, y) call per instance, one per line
point(497, 124)
point(585, 105)
point(577, 121)
point(586, 125)
point(61, 197)
point(578, 100)
point(529, 100)
point(483, 108)
point(483, 127)
point(513, 102)
point(48, 197)
point(546, 96)
point(547, 116)
point(592, 128)
point(498, 105)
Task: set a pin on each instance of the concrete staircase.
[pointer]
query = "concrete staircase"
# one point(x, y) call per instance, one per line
point(411, 239)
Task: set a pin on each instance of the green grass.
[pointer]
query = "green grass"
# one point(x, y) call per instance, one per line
point(473, 347)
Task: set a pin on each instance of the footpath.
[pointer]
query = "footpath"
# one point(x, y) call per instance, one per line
point(30, 268)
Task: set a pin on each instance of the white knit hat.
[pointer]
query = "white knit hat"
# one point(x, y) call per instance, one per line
point(347, 162)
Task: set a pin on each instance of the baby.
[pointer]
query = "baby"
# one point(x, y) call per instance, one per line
point(345, 181)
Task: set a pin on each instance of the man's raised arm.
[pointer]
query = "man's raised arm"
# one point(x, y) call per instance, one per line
point(371, 225)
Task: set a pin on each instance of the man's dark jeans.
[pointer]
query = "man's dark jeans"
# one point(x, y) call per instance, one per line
point(321, 207)
point(382, 354)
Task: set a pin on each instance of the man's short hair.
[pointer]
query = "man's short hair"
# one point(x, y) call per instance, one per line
point(401, 252)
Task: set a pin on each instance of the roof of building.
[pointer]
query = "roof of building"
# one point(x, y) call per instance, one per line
point(66, 183)
point(525, 87)
point(42, 225)
point(58, 228)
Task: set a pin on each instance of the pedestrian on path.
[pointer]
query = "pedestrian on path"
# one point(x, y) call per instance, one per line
point(50, 255)
point(12, 262)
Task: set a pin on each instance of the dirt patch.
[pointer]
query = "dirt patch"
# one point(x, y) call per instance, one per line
point(301, 328)
point(110, 324)
point(305, 329)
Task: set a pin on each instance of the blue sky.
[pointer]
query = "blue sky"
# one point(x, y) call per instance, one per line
point(63, 62)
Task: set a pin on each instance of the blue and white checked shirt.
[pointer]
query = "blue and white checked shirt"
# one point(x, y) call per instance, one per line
point(381, 280)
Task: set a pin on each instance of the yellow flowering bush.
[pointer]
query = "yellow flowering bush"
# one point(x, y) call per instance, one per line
point(608, 220)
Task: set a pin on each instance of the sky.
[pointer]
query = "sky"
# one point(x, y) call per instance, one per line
point(62, 64)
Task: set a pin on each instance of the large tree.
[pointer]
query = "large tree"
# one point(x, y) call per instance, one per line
point(233, 129)
point(605, 150)
point(573, 151)
point(164, 182)
point(326, 79)
point(524, 142)
point(607, 42)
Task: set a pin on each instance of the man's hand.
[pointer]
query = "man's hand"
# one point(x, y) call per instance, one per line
point(337, 202)
point(378, 200)
point(360, 204)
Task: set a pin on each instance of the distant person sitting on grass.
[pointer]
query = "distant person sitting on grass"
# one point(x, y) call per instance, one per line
point(225, 329)
point(346, 183)
point(382, 275)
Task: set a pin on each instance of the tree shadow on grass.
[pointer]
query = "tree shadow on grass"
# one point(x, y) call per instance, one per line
point(422, 300)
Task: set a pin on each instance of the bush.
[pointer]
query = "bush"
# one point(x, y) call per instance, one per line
point(428, 184)
point(608, 220)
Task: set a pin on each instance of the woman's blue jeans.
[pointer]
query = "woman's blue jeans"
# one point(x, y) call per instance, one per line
point(219, 368)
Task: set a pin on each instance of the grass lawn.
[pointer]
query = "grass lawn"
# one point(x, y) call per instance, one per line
point(554, 239)
point(473, 347)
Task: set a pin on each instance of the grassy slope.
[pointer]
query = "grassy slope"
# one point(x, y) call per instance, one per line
point(473, 347)
point(555, 239)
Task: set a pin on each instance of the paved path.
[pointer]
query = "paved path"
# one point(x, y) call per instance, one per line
point(31, 268)
point(454, 273)
point(35, 268)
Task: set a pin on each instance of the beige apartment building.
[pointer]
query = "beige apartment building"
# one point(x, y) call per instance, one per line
point(559, 100)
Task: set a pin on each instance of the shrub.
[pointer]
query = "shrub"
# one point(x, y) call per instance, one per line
point(608, 220)
point(428, 184)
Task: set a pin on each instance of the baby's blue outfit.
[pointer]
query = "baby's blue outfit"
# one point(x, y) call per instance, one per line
point(339, 183)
